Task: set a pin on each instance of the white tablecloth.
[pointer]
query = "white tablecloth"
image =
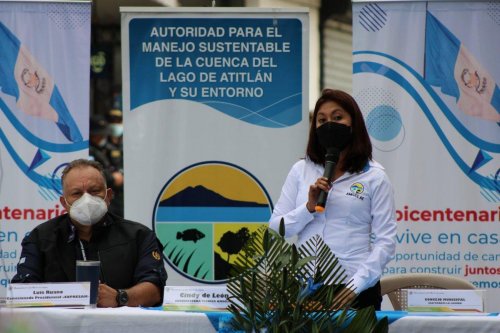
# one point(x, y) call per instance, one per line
point(137, 320)
point(418, 323)
point(118, 320)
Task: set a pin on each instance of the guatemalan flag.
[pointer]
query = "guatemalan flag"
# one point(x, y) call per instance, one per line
point(450, 66)
point(36, 93)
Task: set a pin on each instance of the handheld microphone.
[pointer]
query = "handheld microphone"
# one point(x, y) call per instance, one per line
point(331, 158)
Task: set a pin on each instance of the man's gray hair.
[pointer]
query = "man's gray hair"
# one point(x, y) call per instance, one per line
point(81, 163)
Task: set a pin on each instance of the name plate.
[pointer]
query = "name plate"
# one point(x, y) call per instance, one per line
point(47, 294)
point(445, 300)
point(195, 298)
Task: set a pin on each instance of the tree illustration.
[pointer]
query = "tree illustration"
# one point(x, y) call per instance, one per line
point(232, 243)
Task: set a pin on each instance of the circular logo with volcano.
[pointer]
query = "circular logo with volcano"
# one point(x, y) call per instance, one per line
point(204, 215)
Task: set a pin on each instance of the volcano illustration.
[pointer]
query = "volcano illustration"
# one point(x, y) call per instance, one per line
point(200, 196)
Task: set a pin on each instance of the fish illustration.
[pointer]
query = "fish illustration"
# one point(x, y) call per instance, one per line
point(190, 235)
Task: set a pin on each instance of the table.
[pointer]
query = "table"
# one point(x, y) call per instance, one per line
point(139, 320)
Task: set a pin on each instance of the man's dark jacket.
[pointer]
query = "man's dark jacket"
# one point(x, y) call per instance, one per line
point(129, 253)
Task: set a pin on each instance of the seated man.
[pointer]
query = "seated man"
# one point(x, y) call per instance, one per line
point(132, 269)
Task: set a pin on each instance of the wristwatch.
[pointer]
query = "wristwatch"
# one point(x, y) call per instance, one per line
point(122, 297)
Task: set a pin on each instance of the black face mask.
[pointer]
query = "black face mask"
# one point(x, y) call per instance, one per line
point(334, 135)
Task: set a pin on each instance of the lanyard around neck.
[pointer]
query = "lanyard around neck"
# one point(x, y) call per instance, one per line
point(84, 256)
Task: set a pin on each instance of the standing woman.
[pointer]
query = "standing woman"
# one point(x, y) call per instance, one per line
point(358, 222)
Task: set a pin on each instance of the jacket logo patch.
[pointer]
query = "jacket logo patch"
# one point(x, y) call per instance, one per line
point(356, 190)
point(156, 255)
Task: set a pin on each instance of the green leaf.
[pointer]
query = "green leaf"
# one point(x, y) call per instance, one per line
point(302, 262)
point(382, 326)
point(282, 227)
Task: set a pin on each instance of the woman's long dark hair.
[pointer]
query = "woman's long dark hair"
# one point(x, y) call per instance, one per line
point(359, 151)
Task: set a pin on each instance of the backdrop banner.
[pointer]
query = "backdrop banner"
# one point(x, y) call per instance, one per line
point(44, 101)
point(426, 75)
point(215, 114)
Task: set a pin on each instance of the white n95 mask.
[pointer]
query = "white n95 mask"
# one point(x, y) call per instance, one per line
point(88, 209)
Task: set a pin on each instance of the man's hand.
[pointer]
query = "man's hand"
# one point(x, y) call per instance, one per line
point(106, 297)
point(142, 294)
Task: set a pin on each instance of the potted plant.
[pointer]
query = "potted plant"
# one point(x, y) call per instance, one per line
point(279, 287)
